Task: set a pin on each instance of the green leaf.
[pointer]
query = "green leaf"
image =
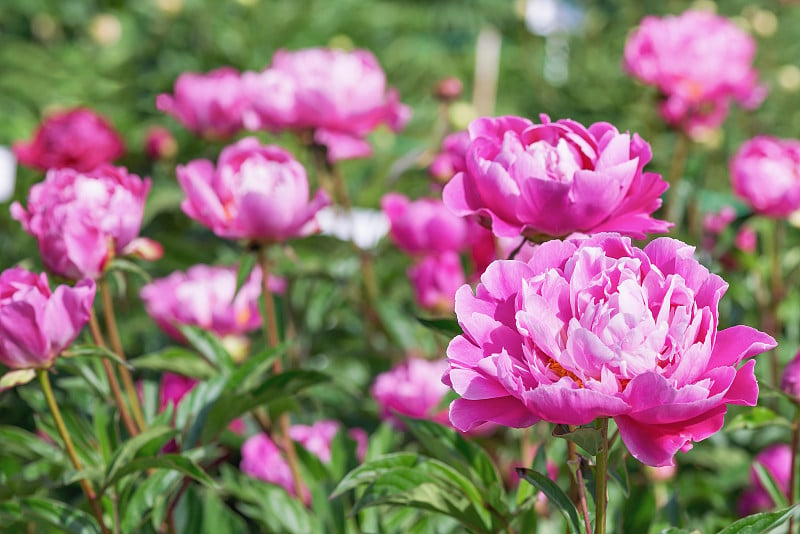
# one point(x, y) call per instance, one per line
point(447, 326)
point(555, 495)
point(26, 445)
point(95, 351)
point(177, 360)
point(125, 265)
point(755, 418)
point(372, 471)
point(769, 483)
point(758, 523)
point(157, 488)
point(174, 462)
point(48, 513)
point(209, 346)
point(246, 265)
point(587, 438)
point(147, 443)
point(252, 372)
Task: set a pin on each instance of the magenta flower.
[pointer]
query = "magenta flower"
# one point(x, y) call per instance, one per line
point(424, 226)
point(160, 144)
point(790, 380)
point(413, 389)
point(765, 172)
point(452, 159)
point(79, 139)
point(83, 220)
point(258, 192)
point(435, 279)
point(317, 438)
point(36, 325)
point(700, 62)
point(715, 223)
point(173, 389)
point(210, 105)
point(204, 296)
point(777, 460)
point(595, 327)
point(340, 95)
point(556, 178)
point(746, 239)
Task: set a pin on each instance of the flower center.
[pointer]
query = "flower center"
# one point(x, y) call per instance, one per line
point(560, 161)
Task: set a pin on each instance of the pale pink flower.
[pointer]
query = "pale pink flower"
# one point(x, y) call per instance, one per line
point(435, 280)
point(424, 226)
point(765, 173)
point(413, 389)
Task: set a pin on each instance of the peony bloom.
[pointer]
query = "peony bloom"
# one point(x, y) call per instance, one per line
point(790, 381)
point(79, 139)
point(596, 327)
point(270, 100)
point(715, 223)
point(83, 220)
point(452, 159)
point(777, 460)
point(317, 438)
point(36, 325)
point(173, 389)
point(204, 296)
point(436, 279)
point(746, 239)
point(258, 192)
point(160, 144)
point(424, 226)
point(413, 389)
point(556, 178)
point(340, 95)
point(209, 105)
point(700, 62)
point(765, 172)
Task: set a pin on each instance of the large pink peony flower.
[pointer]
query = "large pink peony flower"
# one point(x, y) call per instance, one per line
point(413, 389)
point(204, 296)
point(777, 460)
point(257, 192)
point(209, 105)
point(700, 62)
point(556, 178)
point(83, 220)
point(765, 172)
point(424, 226)
point(595, 327)
point(36, 325)
point(79, 139)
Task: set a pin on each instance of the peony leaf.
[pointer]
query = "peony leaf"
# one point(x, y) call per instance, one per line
point(155, 489)
point(555, 495)
point(95, 351)
point(147, 443)
point(447, 326)
point(246, 265)
point(49, 514)
point(589, 439)
point(126, 265)
point(757, 523)
point(768, 481)
point(208, 345)
point(174, 462)
point(372, 471)
point(177, 360)
point(757, 417)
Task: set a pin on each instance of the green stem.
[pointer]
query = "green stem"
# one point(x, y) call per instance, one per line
point(577, 488)
point(116, 345)
point(679, 157)
point(793, 468)
point(44, 379)
point(776, 295)
point(601, 497)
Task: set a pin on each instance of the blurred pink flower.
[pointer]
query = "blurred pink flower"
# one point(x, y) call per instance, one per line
point(435, 279)
point(715, 223)
point(700, 62)
point(452, 159)
point(790, 380)
point(160, 144)
point(174, 388)
point(777, 460)
point(414, 389)
point(765, 172)
point(204, 296)
point(79, 139)
point(210, 105)
point(556, 178)
point(258, 192)
point(424, 226)
point(595, 327)
point(83, 220)
point(746, 239)
point(36, 325)
point(317, 438)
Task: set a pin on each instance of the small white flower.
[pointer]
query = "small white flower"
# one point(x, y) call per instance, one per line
point(363, 227)
point(8, 173)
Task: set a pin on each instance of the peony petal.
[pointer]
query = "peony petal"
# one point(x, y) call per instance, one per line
point(507, 411)
point(738, 342)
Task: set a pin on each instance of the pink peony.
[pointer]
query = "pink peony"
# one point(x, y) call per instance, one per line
point(765, 172)
point(715, 223)
point(790, 380)
point(160, 143)
point(436, 279)
point(340, 95)
point(209, 105)
point(203, 296)
point(413, 389)
point(36, 325)
point(258, 192)
point(173, 389)
point(424, 226)
point(452, 159)
point(595, 327)
point(317, 438)
point(79, 139)
point(556, 178)
point(83, 220)
point(700, 62)
point(270, 98)
point(746, 239)
point(777, 460)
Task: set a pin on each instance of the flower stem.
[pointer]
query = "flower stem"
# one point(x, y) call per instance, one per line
point(793, 468)
point(676, 168)
point(578, 488)
point(328, 174)
point(116, 345)
point(271, 333)
point(601, 497)
point(776, 296)
point(44, 379)
point(97, 335)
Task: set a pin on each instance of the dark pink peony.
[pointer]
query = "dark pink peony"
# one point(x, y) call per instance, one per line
point(83, 220)
point(79, 139)
point(700, 62)
point(210, 105)
point(595, 327)
point(36, 325)
point(790, 380)
point(556, 178)
point(258, 192)
point(424, 226)
point(765, 172)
